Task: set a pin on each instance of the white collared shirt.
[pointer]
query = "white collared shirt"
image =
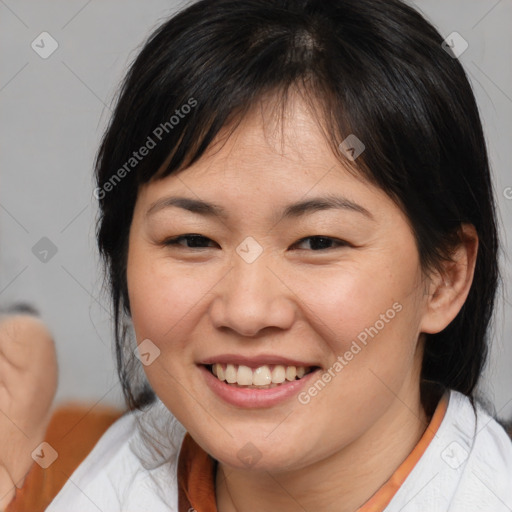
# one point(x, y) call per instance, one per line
point(467, 467)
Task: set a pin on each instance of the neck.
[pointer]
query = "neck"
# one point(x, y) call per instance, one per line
point(343, 482)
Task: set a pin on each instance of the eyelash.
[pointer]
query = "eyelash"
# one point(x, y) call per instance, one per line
point(175, 241)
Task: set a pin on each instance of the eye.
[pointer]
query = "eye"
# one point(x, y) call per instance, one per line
point(191, 241)
point(316, 243)
point(319, 243)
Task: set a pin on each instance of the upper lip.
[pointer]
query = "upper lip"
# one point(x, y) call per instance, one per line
point(255, 361)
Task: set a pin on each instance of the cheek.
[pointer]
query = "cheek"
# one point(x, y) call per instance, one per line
point(165, 299)
point(369, 318)
point(157, 302)
point(363, 302)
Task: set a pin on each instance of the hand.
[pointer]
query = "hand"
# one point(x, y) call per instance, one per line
point(28, 381)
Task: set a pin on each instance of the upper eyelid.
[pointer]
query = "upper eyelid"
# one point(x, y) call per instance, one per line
point(188, 235)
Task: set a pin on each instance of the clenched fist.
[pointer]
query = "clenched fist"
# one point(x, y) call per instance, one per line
point(28, 381)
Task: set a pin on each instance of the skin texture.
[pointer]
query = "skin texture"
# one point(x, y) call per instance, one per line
point(333, 453)
point(28, 381)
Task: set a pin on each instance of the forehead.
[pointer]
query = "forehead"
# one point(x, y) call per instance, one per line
point(288, 129)
point(273, 156)
point(280, 141)
point(270, 169)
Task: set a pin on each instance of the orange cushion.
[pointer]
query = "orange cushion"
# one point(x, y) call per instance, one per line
point(73, 431)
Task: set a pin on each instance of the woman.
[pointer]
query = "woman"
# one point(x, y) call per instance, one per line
point(298, 224)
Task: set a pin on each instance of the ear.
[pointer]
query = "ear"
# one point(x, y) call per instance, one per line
point(449, 287)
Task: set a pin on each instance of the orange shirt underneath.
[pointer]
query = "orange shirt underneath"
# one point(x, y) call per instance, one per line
point(196, 472)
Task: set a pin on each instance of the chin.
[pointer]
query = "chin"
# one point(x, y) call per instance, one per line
point(257, 454)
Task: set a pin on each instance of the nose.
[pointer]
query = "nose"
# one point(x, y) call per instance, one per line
point(252, 297)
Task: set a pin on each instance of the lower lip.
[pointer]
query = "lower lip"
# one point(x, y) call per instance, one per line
point(255, 398)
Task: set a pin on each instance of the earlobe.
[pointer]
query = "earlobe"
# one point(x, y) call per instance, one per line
point(450, 286)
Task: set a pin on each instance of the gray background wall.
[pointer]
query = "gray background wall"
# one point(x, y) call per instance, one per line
point(53, 112)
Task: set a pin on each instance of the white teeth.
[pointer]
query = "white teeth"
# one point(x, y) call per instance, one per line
point(278, 374)
point(263, 377)
point(244, 375)
point(231, 373)
point(291, 372)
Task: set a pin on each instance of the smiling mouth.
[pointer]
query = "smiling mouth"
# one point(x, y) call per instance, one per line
point(263, 377)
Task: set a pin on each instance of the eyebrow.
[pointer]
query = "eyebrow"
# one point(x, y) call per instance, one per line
point(294, 210)
point(324, 203)
point(192, 205)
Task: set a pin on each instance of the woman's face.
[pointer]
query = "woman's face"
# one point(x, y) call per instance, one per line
point(295, 263)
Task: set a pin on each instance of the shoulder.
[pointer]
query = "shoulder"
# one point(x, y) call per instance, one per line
point(486, 482)
point(467, 466)
point(119, 473)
